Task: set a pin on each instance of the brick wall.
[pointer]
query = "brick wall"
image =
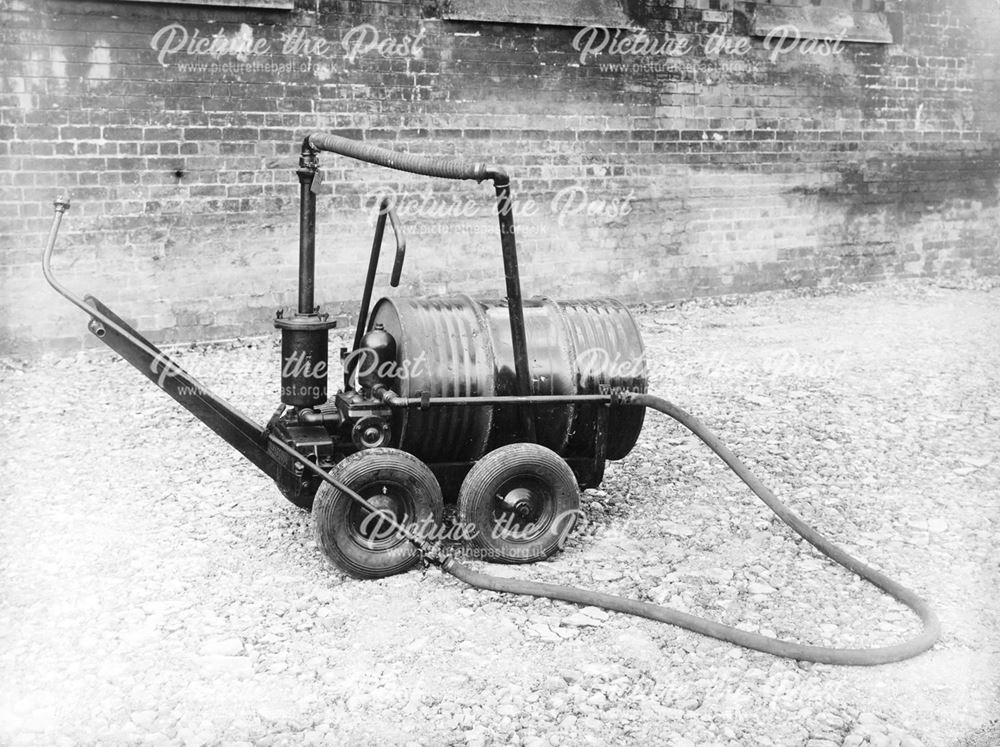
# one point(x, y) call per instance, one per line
point(649, 178)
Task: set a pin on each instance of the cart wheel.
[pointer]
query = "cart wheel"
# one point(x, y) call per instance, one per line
point(359, 543)
point(521, 500)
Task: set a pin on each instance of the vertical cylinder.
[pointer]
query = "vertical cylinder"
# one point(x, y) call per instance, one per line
point(307, 237)
point(304, 359)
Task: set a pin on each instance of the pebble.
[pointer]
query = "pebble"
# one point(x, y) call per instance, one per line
point(235, 666)
point(144, 719)
point(937, 525)
point(719, 575)
point(605, 575)
point(579, 619)
point(543, 631)
point(225, 647)
point(675, 529)
point(977, 460)
point(596, 613)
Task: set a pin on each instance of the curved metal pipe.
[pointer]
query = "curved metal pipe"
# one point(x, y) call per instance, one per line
point(414, 163)
point(453, 168)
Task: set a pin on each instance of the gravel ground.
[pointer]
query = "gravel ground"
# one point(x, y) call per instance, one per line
point(156, 590)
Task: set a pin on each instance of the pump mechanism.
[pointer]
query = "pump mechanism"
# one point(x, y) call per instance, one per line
point(448, 400)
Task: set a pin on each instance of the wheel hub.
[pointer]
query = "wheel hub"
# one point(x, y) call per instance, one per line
point(520, 501)
point(522, 510)
point(385, 501)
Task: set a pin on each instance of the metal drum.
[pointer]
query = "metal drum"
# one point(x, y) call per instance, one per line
point(456, 346)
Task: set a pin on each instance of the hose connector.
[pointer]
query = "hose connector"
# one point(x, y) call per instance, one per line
point(431, 553)
point(621, 396)
point(385, 395)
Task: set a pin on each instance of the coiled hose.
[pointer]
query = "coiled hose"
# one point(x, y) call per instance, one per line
point(803, 652)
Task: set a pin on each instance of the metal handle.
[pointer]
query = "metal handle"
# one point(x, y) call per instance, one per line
point(385, 208)
point(61, 204)
point(397, 262)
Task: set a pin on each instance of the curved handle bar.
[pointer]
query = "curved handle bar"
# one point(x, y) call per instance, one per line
point(446, 168)
point(62, 204)
point(397, 230)
point(385, 208)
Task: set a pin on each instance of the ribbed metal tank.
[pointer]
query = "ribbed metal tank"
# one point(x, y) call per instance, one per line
point(457, 346)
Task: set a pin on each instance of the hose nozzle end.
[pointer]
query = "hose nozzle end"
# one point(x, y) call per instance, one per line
point(62, 202)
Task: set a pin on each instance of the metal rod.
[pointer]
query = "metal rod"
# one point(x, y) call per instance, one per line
point(307, 233)
point(515, 309)
point(540, 399)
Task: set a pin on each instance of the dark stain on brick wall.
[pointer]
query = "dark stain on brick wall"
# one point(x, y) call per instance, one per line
point(911, 185)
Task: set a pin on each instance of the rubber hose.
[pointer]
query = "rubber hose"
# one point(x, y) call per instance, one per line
point(447, 168)
point(803, 652)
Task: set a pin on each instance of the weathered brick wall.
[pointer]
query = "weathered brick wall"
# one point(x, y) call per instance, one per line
point(645, 178)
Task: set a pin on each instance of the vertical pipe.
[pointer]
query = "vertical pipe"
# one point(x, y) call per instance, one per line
point(508, 246)
point(307, 233)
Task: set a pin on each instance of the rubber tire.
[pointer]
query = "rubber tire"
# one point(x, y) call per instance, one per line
point(477, 496)
point(339, 540)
